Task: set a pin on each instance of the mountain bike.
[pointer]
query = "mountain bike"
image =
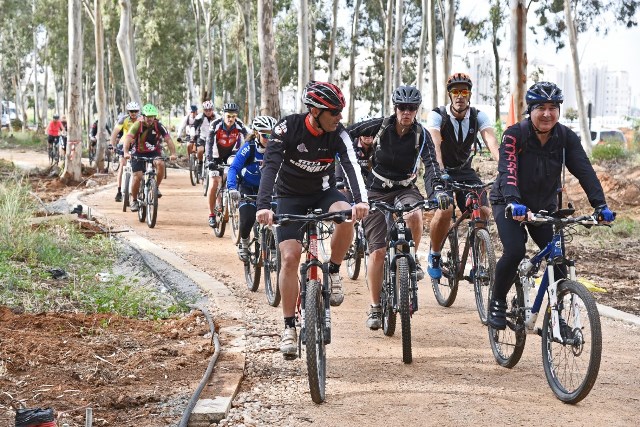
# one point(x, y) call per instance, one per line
point(221, 209)
point(234, 216)
point(315, 290)
point(148, 192)
point(400, 283)
point(271, 263)
point(54, 151)
point(111, 158)
point(571, 332)
point(194, 170)
point(478, 240)
point(206, 179)
point(357, 252)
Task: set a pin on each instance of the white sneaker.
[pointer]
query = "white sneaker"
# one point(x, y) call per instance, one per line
point(337, 295)
point(374, 322)
point(289, 343)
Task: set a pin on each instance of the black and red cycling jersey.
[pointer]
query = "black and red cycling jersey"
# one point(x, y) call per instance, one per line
point(304, 161)
point(223, 141)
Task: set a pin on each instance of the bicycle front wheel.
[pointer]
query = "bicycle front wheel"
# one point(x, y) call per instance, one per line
point(403, 282)
point(142, 203)
point(324, 240)
point(446, 288)
point(221, 224)
point(483, 269)
point(386, 302)
point(115, 161)
point(572, 360)
point(315, 341)
point(507, 345)
point(234, 214)
point(152, 203)
point(205, 184)
point(271, 260)
point(126, 192)
point(253, 265)
point(193, 173)
point(354, 260)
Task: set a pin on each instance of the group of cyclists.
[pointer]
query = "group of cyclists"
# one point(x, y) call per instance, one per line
point(302, 160)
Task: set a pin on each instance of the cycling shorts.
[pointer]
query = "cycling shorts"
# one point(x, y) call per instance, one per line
point(376, 224)
point(300, 205)
point(199, 142)
point(138, 164)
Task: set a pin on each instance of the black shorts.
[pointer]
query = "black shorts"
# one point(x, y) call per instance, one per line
point(200, 143)
point(300, 205)
point(138, 163)
point(466, 176)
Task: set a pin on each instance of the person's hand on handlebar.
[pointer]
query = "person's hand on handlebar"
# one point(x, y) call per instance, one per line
point(265, 216)
point(518, 212)
point(359, 211)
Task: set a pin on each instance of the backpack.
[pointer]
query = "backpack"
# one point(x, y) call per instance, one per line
point(473, 124)
point(155, 126)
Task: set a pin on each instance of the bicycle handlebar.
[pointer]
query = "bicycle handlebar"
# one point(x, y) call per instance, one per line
point(339, 216)
point(543, 217)
point(461, 186)
point(400, 208)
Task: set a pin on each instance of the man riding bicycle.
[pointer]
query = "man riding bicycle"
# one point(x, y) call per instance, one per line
point(400, 142)
point(244, 176)
point(533, 155)
point(187, 124)
point(145, 137)
point(301, 155)
point(454, 129)
point(225, 136)
point(122, 128)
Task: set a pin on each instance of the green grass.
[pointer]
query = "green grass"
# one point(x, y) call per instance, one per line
point(27, 254)
point(28, 139)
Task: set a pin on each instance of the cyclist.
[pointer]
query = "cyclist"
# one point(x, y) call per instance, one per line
point(201, 126)
point(93, 133)
point(226, 135)
point(533, 155)
point(145, 138)
point(55, 129)
point(454, 129)
point(122, 127)
point(187, 123)
point(244, 176)
point(400, 142)
point(300, 157)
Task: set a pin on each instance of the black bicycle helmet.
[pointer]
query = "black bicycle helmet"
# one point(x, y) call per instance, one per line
point(230, 107)
point(406, 95)
point(194, 108)
point(458, 78)
point(543, 92)
point(323, 95)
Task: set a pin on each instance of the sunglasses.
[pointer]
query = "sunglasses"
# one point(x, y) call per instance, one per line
point(458, 92)
point(265, 135)
point(335, 113)
point(134, 111)
point(231, 116)
point(407, 107)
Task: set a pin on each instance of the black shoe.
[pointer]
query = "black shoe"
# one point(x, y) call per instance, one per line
point(497, 318)
point(119, 197)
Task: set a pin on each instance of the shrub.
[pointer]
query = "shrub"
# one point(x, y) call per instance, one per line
point(609, 151)
point(16, 124)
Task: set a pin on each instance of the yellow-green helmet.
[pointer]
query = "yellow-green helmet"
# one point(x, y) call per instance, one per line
point(149, 110)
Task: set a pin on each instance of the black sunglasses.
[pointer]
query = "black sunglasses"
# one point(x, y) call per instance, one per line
point(334, 113)
point(407, 107)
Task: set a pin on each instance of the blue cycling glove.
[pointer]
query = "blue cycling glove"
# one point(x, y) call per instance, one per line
point(604, 214)
point(515, 209)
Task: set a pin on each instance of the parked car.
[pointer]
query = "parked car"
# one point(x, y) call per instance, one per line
point(603, 135)
point(4, 121)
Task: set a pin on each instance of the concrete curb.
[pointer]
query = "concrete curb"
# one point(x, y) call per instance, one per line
point(215, 401)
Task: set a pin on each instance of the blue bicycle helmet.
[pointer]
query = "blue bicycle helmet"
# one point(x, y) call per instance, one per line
point(543, 92)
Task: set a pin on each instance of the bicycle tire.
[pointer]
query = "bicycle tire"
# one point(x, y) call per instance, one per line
point(165, 169)
point(354, 258)
point(404, 283)
point(253, 266)
point(507, 345)
point(51, 155)
point(562, 361)
point(125, 192)
point(152, 203)
point(193, 173)
point(271, 263)
point(315, 341)
point(386, 302)
point(220, 222)
point(115, 164)
point(445, 289)
point(484, 260)
point(142, 204)
point(234, 215)
point(92, 154)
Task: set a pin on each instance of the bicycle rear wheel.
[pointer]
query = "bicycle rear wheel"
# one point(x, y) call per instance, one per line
point(271, 260)
point(92, 153)
point(484, 267)
point(193, 172)
point(125, 192)
point(253, 265)
point(404, 282)
point(508, 345)
point(446, 288)
point(142, 203)
point(205, 184)
point(315, 341)
point(386, 302)
point(572, 361)
point(152, 203)
point(354, 258)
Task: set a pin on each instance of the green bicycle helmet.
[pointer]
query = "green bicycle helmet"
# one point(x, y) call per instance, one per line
point(149, 110)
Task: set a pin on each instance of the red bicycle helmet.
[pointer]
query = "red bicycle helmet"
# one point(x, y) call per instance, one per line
point(323, 95)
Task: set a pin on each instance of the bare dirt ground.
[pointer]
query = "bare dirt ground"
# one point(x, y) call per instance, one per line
point(51, 359)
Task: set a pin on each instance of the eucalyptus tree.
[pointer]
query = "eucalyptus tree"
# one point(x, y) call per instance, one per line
point(447, 10)
point(518, 55)
point(352, 61)
point(397, 45)
point(433, 53)
point(72, 165)
point(303, 50)
point(244, 7)
point(126, 48)
point(269, 80)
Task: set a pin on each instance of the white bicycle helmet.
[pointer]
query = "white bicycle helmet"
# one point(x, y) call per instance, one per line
point(133, 106)
point(207, 105)
point(264, 123)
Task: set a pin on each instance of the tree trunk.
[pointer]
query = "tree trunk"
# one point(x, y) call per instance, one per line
point(245, 12)
point(386, 96)
point(352, 63)
point(193, 97)
point(496, 59)
point(585, 133)
point(518, 56)
point(269, 79)
point(36, 92)
point(45, 66)
point(448, 30)
point(196, 15)
point(208, 88)
point(101, 96)
point(397, 50)
point(433, 53)
point(126, 51)
point(303, 51)
point(421, 50)
point(72, 165)
point(332, 42)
